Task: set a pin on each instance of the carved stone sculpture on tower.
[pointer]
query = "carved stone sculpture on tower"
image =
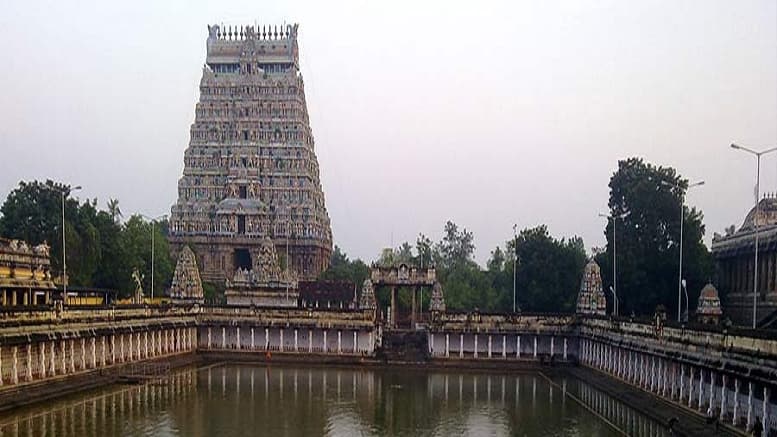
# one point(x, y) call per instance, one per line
point(367, 297)
point(186, 286)
point(591, 299)
point(437, 303)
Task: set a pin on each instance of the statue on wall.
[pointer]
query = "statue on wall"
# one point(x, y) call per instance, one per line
point(367, 297)
point(137, 297)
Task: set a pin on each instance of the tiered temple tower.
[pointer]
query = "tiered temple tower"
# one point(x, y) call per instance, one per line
point(250, 171)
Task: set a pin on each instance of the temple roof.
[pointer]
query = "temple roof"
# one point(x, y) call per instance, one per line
point(742, 241)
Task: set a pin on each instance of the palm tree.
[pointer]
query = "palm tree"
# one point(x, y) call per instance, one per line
point(113, 209)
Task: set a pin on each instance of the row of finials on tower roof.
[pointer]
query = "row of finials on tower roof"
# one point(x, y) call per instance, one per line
point(235, 33)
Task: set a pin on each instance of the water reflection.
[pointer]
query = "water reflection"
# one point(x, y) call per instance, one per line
point(235, 400)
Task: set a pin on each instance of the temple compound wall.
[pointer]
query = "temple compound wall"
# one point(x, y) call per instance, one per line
point(250, 170)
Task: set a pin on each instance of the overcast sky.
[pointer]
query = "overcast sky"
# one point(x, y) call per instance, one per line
point(484, 113)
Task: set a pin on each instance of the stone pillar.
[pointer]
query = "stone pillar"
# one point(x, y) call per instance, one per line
point(723, 398)
point(145, 344)
point(412, 308)
point(223, 337)
point(565, 348)
point(393, 309)
point(749, 406)
point(210, 337)
point(83, 353)
point(14, 365)
point(355, 342)
point(690, 388)
point(72, 356)
point(43, 364)
point(518, 346)
point(310, 341)
point(28, 363)
point(296, 345)
point(266, 338)
point(489, 346)
point(504, 346)
point(461, 345)
point(339, 341)
point(237, 335)
point(682, 382)
point(476, 346)
point(94, 352)
point(253, 343)
point(447, 345)
point(121, 347)
point(535, 346)
point(102, 354)
point(736, 402)
point(552, 345)
point(711, 404)
point(652, 373)
point(281, 347)
point(137, 343)
point(52, 360)
point(765, 414)
point(130, 349)
point(701, 390)
point(326, 346)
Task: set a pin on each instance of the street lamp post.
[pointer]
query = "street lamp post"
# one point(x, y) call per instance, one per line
point(515, 263)
point(153, 232)
point(614, 288)
point(755, 217)
point(682, 219)
point(64, 193)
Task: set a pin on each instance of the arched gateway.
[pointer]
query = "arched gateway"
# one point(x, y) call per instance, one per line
point(398, 277)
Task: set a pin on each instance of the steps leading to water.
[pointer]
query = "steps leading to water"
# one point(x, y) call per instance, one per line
point(404, 346)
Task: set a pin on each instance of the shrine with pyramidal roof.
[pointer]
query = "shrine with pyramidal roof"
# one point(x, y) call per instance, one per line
point(251, 176)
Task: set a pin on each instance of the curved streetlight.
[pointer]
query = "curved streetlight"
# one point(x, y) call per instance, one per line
point(755, 217)
point(153, 232)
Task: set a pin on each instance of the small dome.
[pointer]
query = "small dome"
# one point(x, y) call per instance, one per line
point(709, 301)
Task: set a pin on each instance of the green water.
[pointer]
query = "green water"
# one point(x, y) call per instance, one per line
point(238, 400)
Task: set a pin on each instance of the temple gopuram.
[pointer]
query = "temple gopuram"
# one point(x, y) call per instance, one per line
point(250, 171)
point(590, 298)
point(734, 261)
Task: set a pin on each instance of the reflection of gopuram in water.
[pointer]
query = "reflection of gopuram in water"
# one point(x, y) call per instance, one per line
point(316, 401)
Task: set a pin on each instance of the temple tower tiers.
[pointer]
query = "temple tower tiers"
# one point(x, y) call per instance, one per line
point(250, 171)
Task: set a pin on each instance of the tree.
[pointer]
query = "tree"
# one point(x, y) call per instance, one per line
point(114, 210)
point(342, 269)
point(645, 201)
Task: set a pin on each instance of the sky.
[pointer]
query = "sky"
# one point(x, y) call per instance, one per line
point(485, 113)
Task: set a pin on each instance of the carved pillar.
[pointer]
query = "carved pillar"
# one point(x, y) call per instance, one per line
point(413, 308)
point(310, 341)
point(102, 348)
point(476, 346)
point(723, 398)
point(42, 365)
point(565, 348)
point(682, 382)
point(489, 346)
point(52, 359)
point(281, 346)
point(253, 344)
point(83, 353)
point(355, 342)
point(535, 346)
point(94, 352)
point(326, 346)
point(266, 339)
point(210, 337)
point(447, 345)
point(711, 404)
point(14, 365)
point(736, 402)
point(690, 388)
point(701, 390)
point(518, 346)
point(461, 345)
point(72, 356)
point(223, 337)
point(237, 334)
point(296, 344)
point(28, 363)
point(339, 341)
point(749, 406)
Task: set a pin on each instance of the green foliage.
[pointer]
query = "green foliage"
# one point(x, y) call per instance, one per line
point(547, 279)
point(343, 269)
point(645, 201)
point(101, 252)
